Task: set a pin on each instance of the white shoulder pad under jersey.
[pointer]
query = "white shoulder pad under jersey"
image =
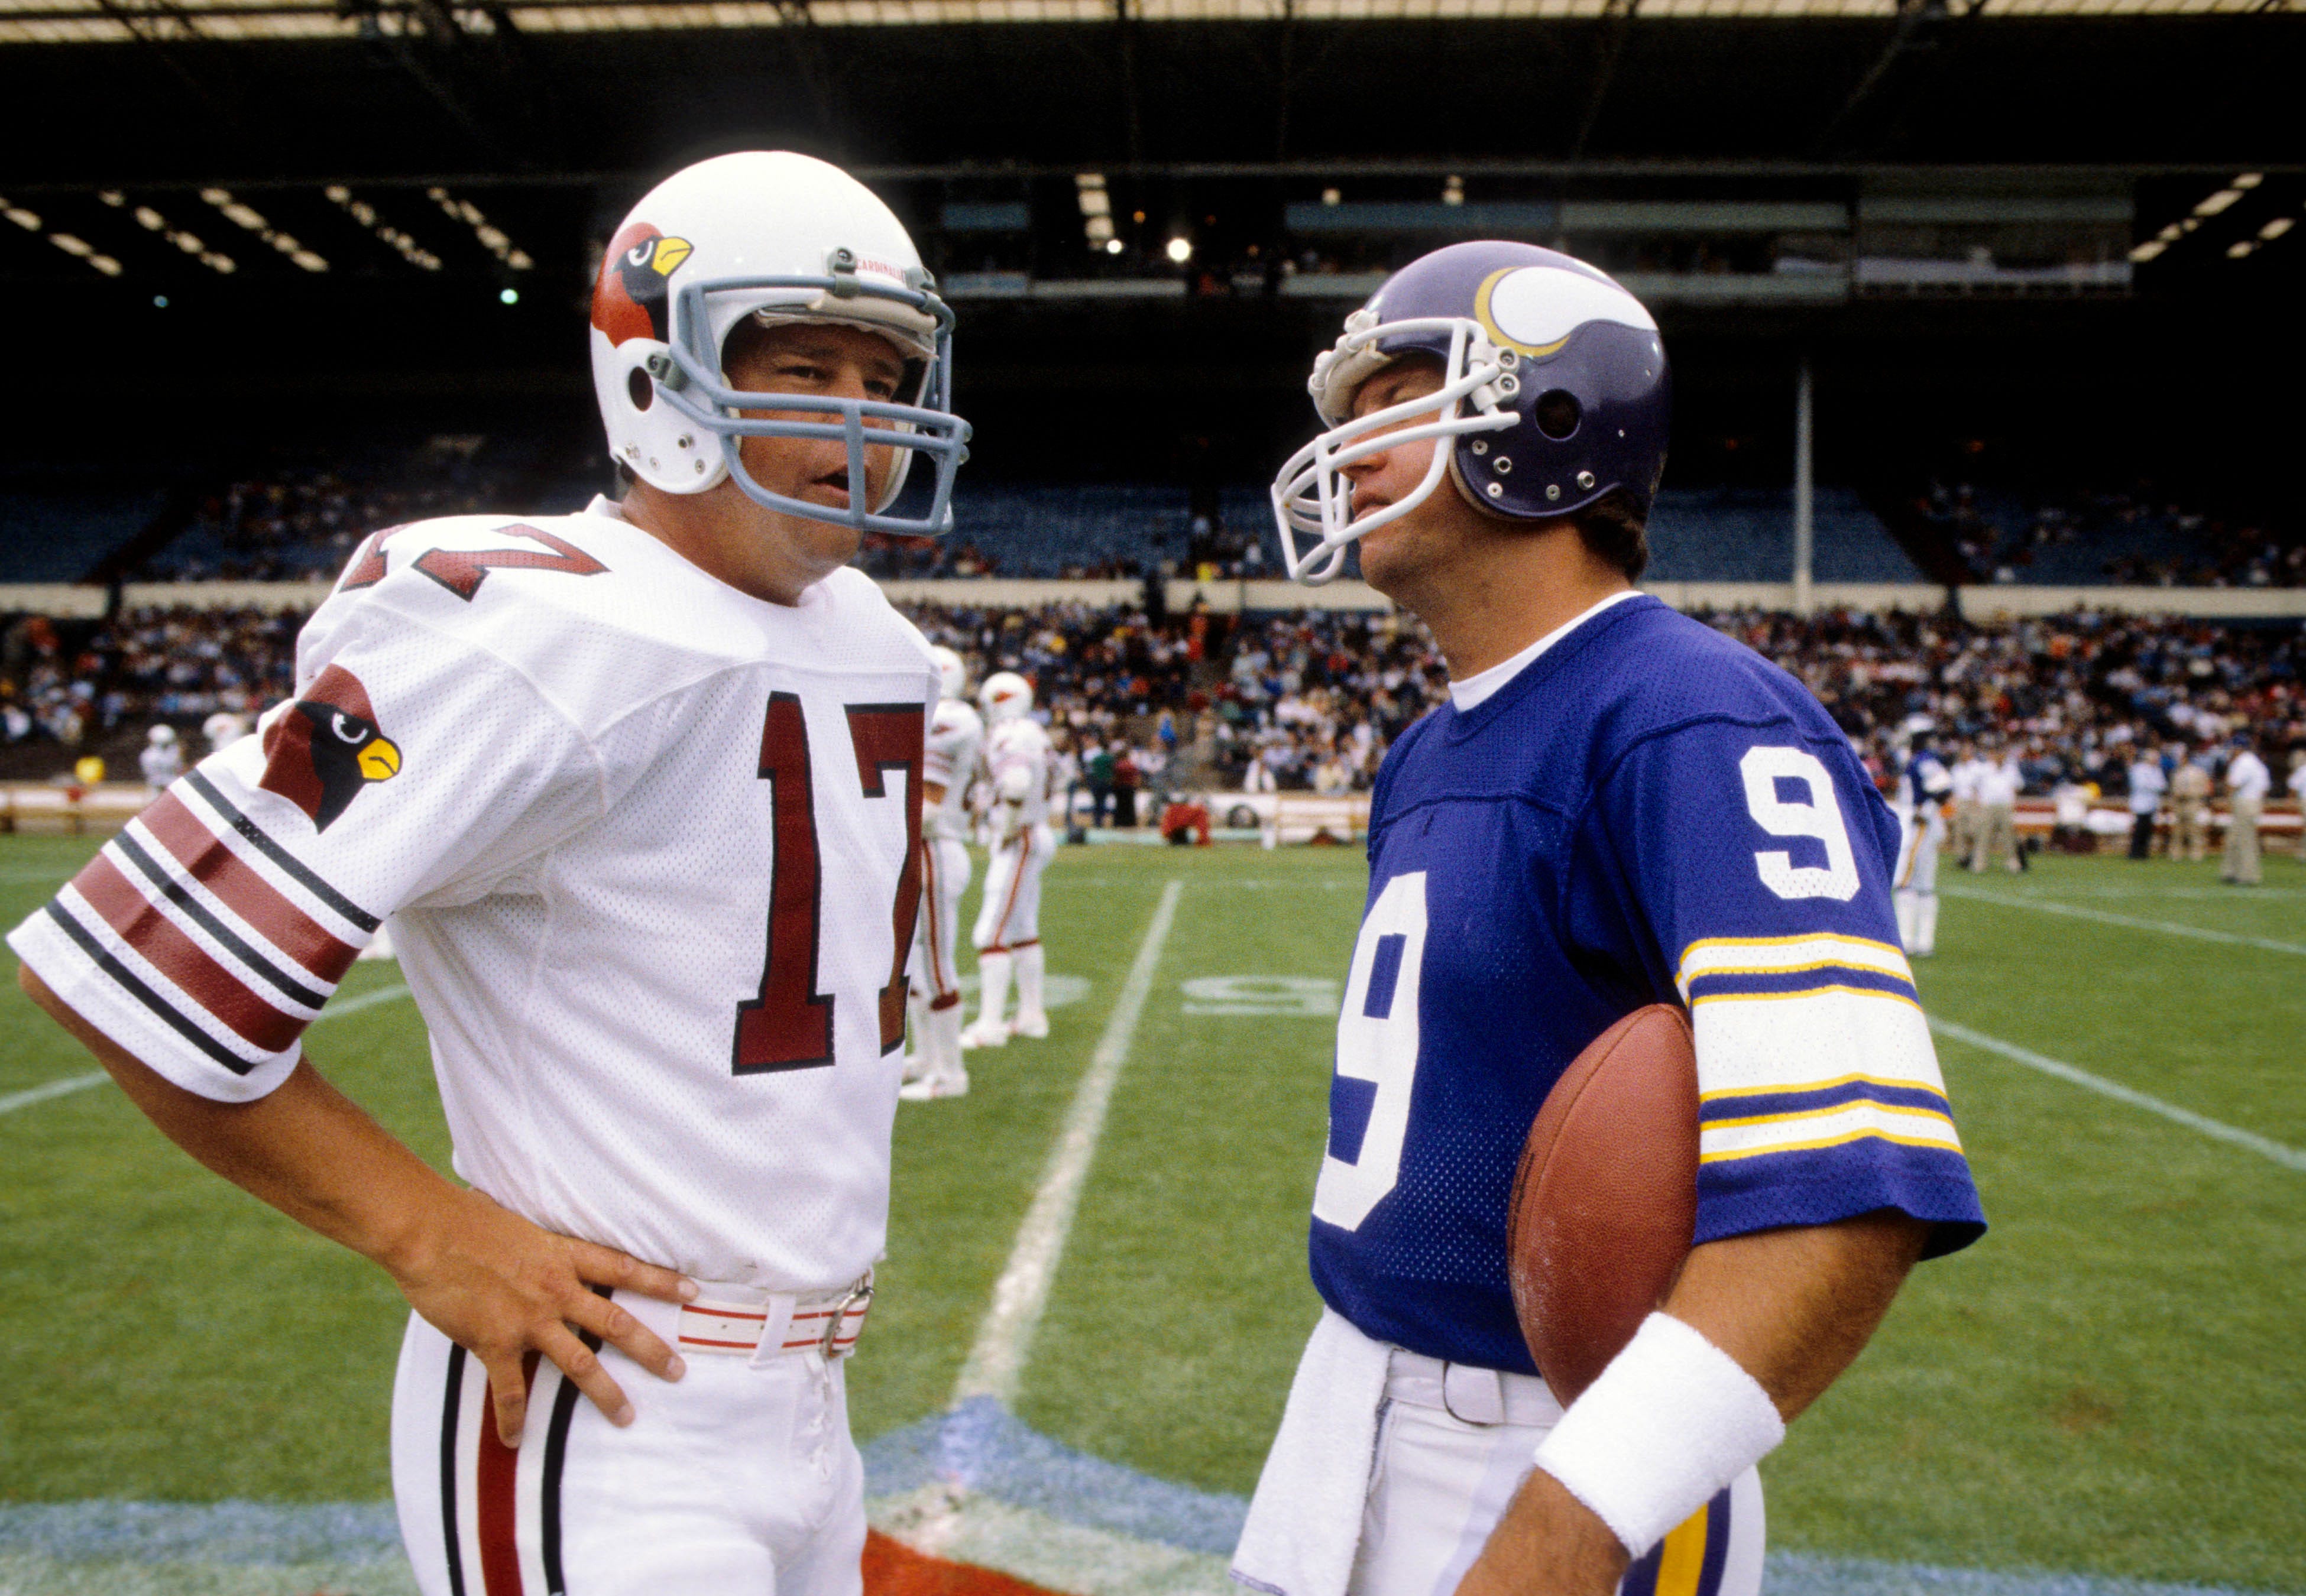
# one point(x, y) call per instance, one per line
point(1021, 745)
point(956, 742)
point(601, 791)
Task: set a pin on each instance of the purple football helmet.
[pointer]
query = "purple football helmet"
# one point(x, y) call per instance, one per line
point(1554, 393)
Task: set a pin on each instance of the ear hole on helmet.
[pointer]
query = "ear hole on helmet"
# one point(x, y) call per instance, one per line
point(639, 389)
point(1558, 413)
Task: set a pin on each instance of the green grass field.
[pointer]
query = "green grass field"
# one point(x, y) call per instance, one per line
point(2113, 1382)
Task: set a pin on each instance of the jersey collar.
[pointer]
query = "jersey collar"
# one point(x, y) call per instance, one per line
point(1471, 693)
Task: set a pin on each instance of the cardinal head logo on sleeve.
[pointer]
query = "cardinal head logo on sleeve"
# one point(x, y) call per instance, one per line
point(324, 748)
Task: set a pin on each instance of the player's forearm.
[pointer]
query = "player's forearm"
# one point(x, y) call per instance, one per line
point(306, 1147)
point(1795, 1307)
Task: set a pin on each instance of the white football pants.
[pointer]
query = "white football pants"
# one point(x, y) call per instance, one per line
point(1920, 838)
point(935, 991)
point(1009, 924)
point(737, 1478)
point(1439, 1485)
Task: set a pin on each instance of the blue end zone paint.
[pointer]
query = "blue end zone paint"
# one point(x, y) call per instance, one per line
point(981, 1445)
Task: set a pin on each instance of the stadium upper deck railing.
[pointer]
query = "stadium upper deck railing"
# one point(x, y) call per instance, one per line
point(1229, 595)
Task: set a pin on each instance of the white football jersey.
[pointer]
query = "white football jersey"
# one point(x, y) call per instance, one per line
point(956, 739)
point(1021, 743)
point(651, 850)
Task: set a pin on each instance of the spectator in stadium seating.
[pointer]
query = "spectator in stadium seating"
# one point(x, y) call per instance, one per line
point(2247, 782)
point(2189, 809)
point(2146, 785)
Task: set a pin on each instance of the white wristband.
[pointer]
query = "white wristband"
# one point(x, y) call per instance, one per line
point(1672, 1421)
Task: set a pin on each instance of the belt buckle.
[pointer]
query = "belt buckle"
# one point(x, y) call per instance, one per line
point(859, 1298)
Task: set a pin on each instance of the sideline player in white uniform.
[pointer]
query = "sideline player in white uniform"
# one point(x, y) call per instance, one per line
point(160, 760)
point(1008, 929)
point(641, 788)
point(956, 741)
point(1538, 870)
point(1923, 788)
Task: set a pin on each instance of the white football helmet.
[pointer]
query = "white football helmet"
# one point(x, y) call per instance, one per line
point(951, 671)
point(161, 737)
point(781, 237)
point(1005, 696)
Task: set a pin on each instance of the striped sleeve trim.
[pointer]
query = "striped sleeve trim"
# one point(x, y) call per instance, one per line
point(127, 980)
point(181, 959)
point(1727, 1141)
point(1773, 966)
point(240, 887)
point(294, 868)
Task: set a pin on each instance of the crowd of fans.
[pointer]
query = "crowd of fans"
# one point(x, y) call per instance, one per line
point(2186, 547)
point(177, 664)
point(1148, 701)
point(2071, 695)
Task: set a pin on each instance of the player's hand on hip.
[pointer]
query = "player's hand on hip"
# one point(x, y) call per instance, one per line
point(501, 1288)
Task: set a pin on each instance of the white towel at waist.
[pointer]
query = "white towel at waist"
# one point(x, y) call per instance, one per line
point(1305, 1521)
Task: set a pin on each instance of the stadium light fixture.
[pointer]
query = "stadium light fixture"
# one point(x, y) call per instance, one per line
point(1096, 210)
point(159, 301)
point(1180, 250)
point(2148, 251)
point(2235, 252)
point(29, 220)
point(509, 296)
point(1113, 246)
point(2276, 228)
point(2217, 202)
point(1330, 196)
point(250, 218)
point(492, 237)
point(1453, 190)
point(152, 221)
point(410, 251)
point(2249, 180)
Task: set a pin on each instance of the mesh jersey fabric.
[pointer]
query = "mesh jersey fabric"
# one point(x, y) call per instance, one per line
point(580, 769)
point(1649, 813)
point(956, 734)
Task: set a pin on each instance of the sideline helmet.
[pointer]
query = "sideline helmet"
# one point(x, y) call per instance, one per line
point(1006, 696)
point(951, 672)
point(780, 237)
point(1554, 393)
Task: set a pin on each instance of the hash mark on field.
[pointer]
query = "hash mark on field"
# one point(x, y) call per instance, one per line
point(2106, 917)
point(997, 1362)
point(2287, 1156)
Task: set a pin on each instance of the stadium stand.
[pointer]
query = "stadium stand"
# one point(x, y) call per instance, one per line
point(1734, 534)
point(2132, 538)
point(61, 531)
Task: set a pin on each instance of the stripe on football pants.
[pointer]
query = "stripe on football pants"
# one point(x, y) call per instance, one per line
point(451, 1540)
point(556, 1458)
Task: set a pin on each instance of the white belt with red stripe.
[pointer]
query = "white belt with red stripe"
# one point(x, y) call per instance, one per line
point(741, 1321)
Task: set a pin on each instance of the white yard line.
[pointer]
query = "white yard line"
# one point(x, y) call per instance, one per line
point(53, 1089)
point(2289, 1158)
point(2106, 918)
point(998, 1359)
point(366, 1000)
point(77, 1083)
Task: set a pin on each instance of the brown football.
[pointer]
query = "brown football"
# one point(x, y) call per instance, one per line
point(1605, 1201)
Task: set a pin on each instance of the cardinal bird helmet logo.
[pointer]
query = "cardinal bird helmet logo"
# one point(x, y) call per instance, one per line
point(326, 747)
point(633, 297)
